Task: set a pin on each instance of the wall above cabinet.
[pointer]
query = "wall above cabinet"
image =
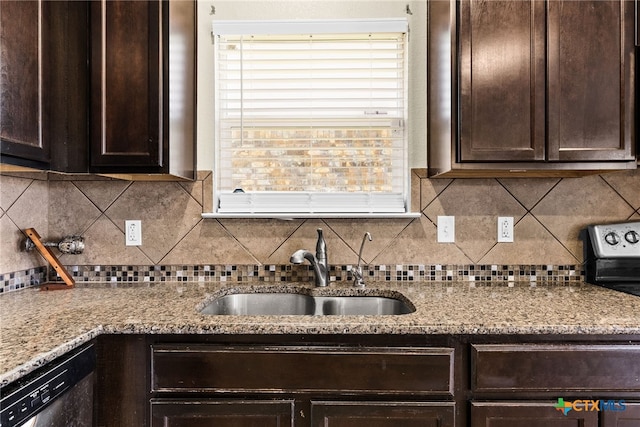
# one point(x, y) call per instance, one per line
point(510, 96)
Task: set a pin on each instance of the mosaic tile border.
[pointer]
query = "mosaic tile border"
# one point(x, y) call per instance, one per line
point(22, 279)
point(301, 273)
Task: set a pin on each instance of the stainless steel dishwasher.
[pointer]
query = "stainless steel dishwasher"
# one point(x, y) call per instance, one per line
point(58, 395)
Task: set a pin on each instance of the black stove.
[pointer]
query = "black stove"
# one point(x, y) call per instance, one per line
point(612, 256)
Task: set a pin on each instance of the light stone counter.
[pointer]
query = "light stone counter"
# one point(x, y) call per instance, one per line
point(36, 327)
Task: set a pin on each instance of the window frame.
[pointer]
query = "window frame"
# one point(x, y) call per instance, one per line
point(338, 26)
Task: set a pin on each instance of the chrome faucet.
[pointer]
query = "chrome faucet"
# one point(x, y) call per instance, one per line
point(318, 262)
point(358, 277)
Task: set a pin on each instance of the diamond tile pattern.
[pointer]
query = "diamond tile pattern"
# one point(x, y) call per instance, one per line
point(208, 240)
point(383, 233)
point(585, 201)
point(70, 210)
point(104, 245)
point(102, 193)
point(167, 211)
point(529, 191)
point(416, 244)
point(627, 184)
point(305, 237)
point(260, 238)
point(535, 241)
point(548, 214)
point(476, 205)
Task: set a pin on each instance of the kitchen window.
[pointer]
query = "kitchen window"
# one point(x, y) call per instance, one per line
point(310, 118)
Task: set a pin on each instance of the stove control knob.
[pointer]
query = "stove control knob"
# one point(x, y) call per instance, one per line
point(632, 237)
point(612, 238)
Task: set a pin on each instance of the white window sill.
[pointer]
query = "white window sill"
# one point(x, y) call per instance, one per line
point(298, 215)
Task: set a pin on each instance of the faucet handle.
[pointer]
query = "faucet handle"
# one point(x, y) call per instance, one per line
point(321, 247)
point(358, 277)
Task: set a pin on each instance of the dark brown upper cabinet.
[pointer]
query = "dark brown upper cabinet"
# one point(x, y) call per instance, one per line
point(126, 84)
point(530, 88)
point(43, 84)
point(85, 87)
point(141, 120)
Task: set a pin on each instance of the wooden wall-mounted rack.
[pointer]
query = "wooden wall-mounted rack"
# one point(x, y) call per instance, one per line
point(53, 260)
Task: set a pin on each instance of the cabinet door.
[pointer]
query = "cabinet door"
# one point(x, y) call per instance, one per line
point(528, 414)
point(502, 75)
point(220, 413)
point(629, 417)
point(44, 84)
point(590, 85)
point(20, 81)
point(126, 84)
point(381, 414)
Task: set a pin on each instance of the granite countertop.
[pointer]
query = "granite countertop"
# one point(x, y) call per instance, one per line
point(36, 327)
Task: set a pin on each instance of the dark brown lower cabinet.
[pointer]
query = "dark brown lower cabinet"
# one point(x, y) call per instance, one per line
point(305, 386)
point(545, 414)
point(382, 414)
point(630, 417)
point(221, 413)
point(528, 414)
point(367, 381)
point(521, 385)
point(280, 413)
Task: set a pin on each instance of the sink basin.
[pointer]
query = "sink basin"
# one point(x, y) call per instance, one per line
point(290, 304)
point(360, 305)
point(270, 304)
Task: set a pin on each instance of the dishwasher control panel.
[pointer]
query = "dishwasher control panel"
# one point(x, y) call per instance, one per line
point(38, 396)
point(620, 240)
point(24, 399)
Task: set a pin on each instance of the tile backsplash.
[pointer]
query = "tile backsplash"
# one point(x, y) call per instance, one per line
point(549, 214)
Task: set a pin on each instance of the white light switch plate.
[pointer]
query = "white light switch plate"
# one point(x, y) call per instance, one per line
point(446, 229)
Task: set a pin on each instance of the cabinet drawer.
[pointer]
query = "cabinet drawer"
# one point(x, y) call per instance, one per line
point(240, 413)
point(299, 369)
point(382, 414)
point(528, 414)
point(500, 368)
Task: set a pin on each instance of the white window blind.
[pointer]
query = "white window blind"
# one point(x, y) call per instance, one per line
point(311, 117)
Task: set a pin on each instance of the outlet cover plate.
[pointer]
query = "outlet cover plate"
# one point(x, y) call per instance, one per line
point(505, 229)
point(133, 232)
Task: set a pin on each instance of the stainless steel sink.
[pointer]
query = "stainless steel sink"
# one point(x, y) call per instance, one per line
point(268, 304)
point(287, 304)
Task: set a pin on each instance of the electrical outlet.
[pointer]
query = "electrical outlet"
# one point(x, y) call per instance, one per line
point(505, 229)
point(133, 232)
point(446, 229)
